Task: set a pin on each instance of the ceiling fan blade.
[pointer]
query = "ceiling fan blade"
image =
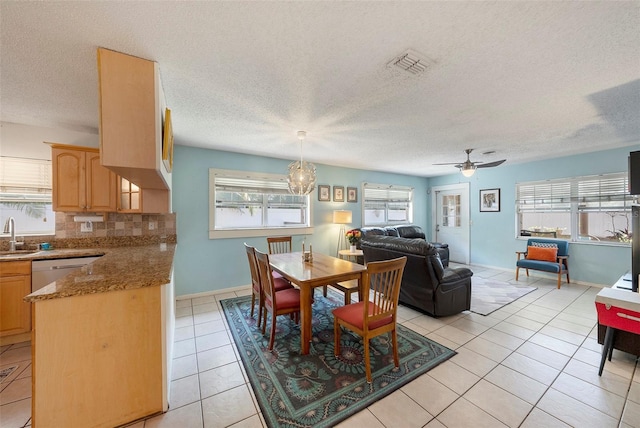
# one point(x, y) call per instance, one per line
point(489, 164)
point(447, 163)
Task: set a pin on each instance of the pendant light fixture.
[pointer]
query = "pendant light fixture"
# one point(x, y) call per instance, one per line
point(302, 175)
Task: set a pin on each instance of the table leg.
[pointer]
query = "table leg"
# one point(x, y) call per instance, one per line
point(305, 319)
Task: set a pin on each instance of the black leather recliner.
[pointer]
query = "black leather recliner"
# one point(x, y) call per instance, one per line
point(426, 284)
point(408, 232)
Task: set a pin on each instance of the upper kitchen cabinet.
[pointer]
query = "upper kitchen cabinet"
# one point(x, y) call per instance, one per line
point(132, 110)
point(80, 183)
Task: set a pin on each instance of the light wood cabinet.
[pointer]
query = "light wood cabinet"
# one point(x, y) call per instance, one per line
point(133, 199)
point(131, 119)
point(15, 284)
point(102, 359)
point(80, 183)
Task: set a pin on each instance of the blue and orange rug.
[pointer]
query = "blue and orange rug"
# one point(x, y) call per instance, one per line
point(319, 389)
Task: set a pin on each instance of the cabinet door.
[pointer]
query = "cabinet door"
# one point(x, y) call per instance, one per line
point(101, 185)
point(15, 314)
point(69, 184)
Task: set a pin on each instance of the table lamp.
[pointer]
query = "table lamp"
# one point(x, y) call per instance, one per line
point(341, 217)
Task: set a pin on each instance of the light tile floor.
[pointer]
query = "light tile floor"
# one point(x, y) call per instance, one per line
point(533, 363)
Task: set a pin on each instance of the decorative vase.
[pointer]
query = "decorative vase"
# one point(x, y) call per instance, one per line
point(353, 249)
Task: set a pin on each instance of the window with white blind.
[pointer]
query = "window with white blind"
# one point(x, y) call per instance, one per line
point(385, 204)
point(590, 209)
point(25, 195)
point(245, 204)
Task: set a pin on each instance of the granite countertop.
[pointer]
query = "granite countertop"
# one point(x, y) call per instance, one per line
point(21, 255)
point(120, 268)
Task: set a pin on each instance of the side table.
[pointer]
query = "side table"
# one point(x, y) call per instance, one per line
point(347, 254)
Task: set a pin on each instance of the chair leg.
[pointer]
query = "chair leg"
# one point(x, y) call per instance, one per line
point(613, 340)
point(527, 272)
point(568, 282)
point(394, 342)
point(517, 272)
point(273, 331)
point(253, 302)
point(367, 363)
point(264, 320)
point(559, 279)
point(336, 338)
point(608, 344)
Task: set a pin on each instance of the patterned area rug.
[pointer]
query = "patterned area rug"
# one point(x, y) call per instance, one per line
point(488, 295)
point(320, 390)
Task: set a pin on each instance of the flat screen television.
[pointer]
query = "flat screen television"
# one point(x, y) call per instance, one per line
point(635, 247)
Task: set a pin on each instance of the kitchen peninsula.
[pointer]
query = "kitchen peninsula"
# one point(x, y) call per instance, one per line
point(102, 339)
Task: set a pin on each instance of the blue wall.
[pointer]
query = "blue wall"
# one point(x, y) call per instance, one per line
point(492, 234)
point(204, 264)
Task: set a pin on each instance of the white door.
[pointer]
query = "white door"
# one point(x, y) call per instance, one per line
point(451, 214)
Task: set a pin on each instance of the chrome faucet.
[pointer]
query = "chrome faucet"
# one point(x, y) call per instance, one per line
point(10, 227)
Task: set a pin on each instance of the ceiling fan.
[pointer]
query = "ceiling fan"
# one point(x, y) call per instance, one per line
point(468, 168)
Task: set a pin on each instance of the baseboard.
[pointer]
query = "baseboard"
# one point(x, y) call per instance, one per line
point(212, 292)
point(15, 338)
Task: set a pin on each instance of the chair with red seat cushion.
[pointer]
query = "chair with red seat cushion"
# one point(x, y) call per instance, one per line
point(375, 314)
point(282, 302)
point(256, 287)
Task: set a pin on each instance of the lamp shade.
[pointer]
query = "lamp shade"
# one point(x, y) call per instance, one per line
point(342, 216)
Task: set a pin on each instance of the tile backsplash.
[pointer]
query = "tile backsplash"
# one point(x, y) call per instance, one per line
point(116, 224)
point(116, 230)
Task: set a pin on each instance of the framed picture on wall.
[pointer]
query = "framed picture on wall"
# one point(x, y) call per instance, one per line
point(324, 192)
point(352, 194)
point(490, 200)
point(338, 193)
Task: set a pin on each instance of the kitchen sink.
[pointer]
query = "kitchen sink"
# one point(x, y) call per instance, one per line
point(17, 253)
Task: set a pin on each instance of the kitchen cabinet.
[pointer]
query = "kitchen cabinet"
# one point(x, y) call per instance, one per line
point(112, 361)
point(15, 284)
point(133, 199)
point(131, 119)
point(80, 183)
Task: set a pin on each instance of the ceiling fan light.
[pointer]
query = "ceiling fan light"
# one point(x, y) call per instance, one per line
point(468, 170)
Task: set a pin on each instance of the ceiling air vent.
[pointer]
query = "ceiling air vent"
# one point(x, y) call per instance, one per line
point(411, 62)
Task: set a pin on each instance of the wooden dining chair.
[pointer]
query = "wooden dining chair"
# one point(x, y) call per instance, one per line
point(375, 314)
point(279, 244)
point(286, 301)
point(256, 285)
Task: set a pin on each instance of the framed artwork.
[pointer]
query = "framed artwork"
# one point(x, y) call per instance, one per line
point(490, 200)
point(167, 141)
point(324, 192)
point(352, 194)
point(338, 193)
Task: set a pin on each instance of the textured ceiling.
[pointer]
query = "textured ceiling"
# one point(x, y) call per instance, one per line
point(528, 80)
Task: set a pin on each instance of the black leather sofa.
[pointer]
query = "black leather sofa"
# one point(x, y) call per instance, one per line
point(408, 232)
point(426, 284)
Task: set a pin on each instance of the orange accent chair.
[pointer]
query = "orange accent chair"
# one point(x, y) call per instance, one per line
point(375, 314)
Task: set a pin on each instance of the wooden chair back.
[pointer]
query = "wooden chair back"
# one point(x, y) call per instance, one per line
point(266, 280)
point(381, 297)
point(253, 267)
point(279, 244)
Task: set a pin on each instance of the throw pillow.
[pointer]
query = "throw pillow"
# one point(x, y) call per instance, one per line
point(544, 244)
point(542, 253)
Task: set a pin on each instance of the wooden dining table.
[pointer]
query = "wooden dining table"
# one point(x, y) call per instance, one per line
point(322, 270)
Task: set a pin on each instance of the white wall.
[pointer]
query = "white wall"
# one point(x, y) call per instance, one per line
point(27, 141)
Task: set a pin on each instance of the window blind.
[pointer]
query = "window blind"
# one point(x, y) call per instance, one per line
point(24, 179)
point(594, 193)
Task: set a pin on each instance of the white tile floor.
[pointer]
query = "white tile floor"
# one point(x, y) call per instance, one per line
point(533, 363)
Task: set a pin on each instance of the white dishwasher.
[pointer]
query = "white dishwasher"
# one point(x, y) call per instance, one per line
point(44, 272)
